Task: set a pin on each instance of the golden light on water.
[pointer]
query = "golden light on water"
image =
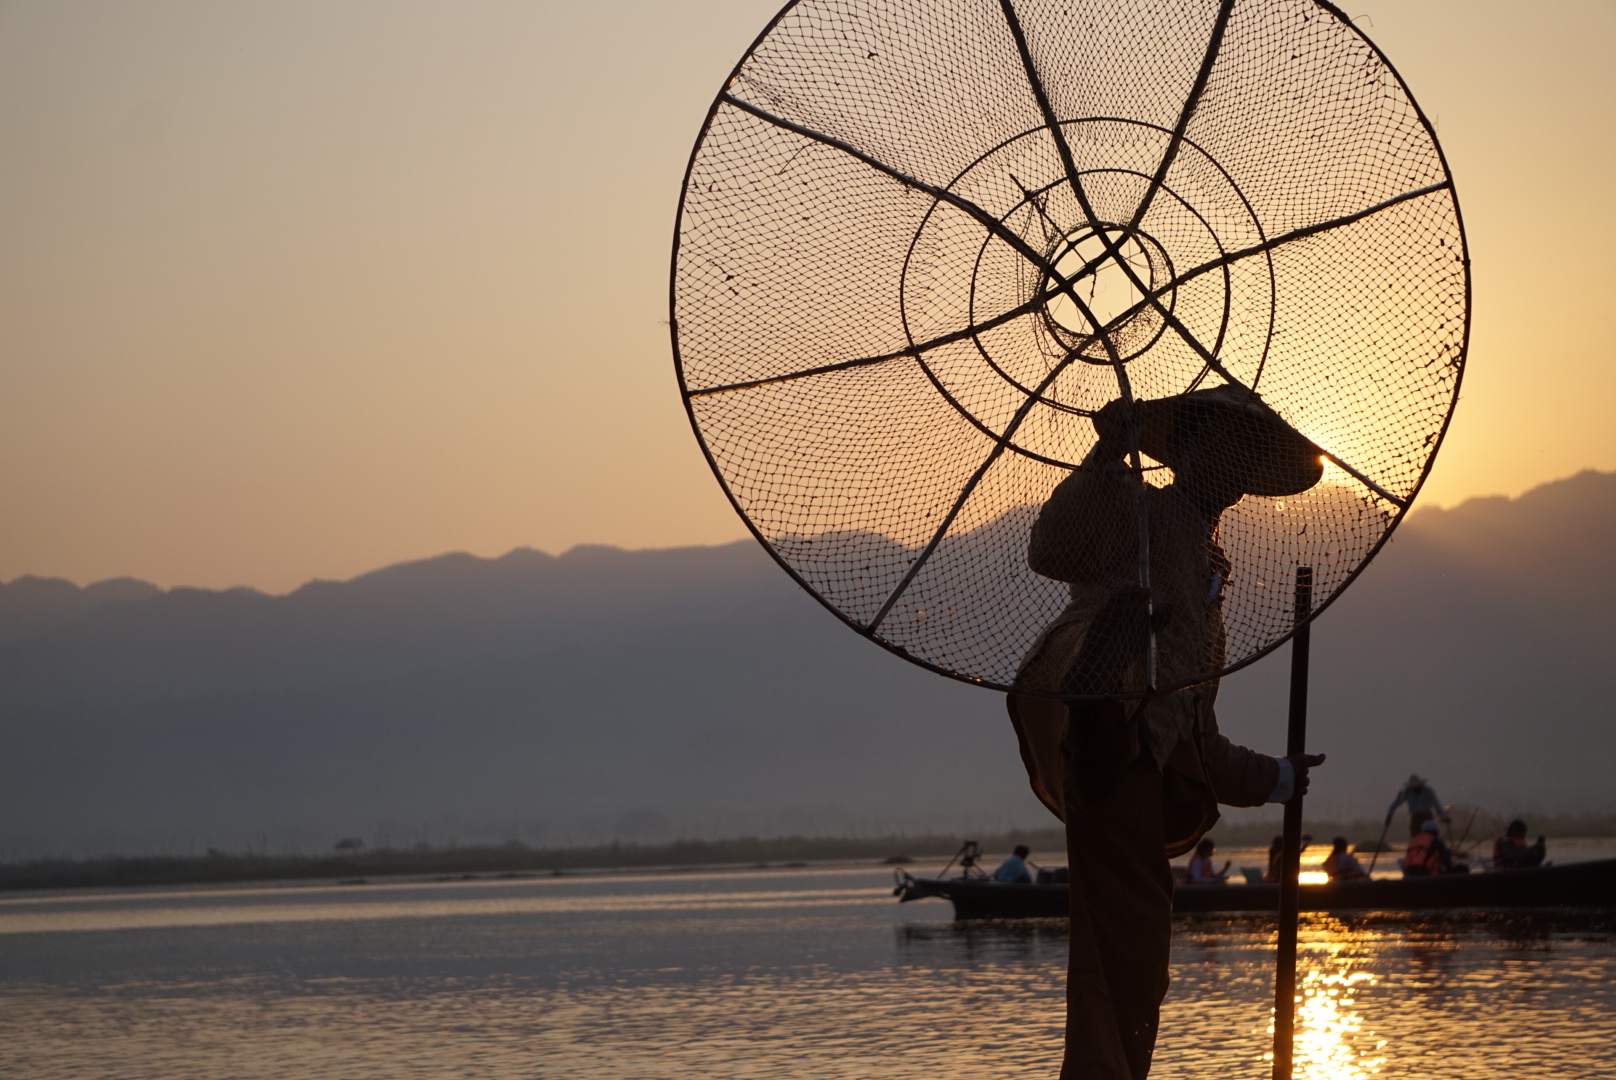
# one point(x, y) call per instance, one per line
point(727, 976)
point(1313, 877)
point(1328, 1028)
point(1331, 1043)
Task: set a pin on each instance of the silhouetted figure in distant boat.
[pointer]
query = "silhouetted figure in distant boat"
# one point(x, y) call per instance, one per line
point(1427, 854)
point(1276, 858)
point(1423, 804)
point(1342, 865)
point(1276, 861)
point(1014, 870)
point(1512, 852)
point(1200, 870)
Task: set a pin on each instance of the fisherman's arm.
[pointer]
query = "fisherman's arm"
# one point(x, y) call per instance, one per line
point(1239, 775)
point(1242, 776)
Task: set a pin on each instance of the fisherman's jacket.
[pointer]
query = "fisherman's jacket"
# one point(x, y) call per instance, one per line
point(1087, 536)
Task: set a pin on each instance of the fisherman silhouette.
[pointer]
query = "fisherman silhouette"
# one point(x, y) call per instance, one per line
point(1138, 780)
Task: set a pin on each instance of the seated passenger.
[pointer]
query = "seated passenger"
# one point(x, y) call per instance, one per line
point(1276, 858)
point(1200, 870)
point(1341, 864)
point(1276, 861)
point(1426, 853)
point(1512, 852)
point(1014, 871)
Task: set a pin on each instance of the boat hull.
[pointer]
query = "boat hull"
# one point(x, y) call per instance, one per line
point(1577, 885)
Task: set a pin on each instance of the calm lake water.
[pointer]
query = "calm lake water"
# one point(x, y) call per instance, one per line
point(799, 973)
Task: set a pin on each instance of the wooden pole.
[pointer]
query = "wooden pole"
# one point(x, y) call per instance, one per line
point(1291, 856)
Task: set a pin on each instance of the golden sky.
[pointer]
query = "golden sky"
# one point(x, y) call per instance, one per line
point(298, 289)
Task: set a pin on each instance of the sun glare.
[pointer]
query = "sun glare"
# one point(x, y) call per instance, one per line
point(1328, 1026)
point(1331, 1043)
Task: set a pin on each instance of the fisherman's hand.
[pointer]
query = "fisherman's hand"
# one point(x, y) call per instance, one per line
point(1301, 763)
point(1113, 423)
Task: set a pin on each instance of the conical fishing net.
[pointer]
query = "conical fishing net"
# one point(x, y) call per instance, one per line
point(1199, 266)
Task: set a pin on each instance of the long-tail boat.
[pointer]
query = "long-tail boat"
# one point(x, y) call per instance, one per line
point(1570, 885)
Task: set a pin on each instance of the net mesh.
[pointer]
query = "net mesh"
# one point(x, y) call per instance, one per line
point(924, 243)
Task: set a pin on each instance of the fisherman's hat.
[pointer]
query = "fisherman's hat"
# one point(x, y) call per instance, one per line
point(1416, 780)
point(1226, 426)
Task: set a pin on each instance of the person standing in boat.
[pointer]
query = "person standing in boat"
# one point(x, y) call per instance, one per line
point(1423, 804)
point(1014, 870)
point(1512, 852)
point(1137, 780)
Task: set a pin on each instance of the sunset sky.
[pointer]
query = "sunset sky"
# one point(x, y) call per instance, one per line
point(294, 290)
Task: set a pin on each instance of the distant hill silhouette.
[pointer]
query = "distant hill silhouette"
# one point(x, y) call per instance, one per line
point(32, 605)
point(696, 691)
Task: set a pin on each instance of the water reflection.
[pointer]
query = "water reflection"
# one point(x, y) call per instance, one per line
point(1331, 1041)
point(1434, 995)
point(750, 975)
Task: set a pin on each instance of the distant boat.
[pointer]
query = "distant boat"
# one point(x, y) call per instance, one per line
point(1574, 885)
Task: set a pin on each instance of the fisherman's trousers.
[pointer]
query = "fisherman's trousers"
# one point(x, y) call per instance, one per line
point(1121, 903)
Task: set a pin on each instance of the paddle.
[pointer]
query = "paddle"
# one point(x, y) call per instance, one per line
point(1379, 844)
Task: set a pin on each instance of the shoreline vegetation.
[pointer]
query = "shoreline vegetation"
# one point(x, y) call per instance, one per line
point(357, 865)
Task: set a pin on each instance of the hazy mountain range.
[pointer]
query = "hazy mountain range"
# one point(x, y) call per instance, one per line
point(605, 693)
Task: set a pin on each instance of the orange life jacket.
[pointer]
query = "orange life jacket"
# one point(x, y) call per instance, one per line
point(1421, 856)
